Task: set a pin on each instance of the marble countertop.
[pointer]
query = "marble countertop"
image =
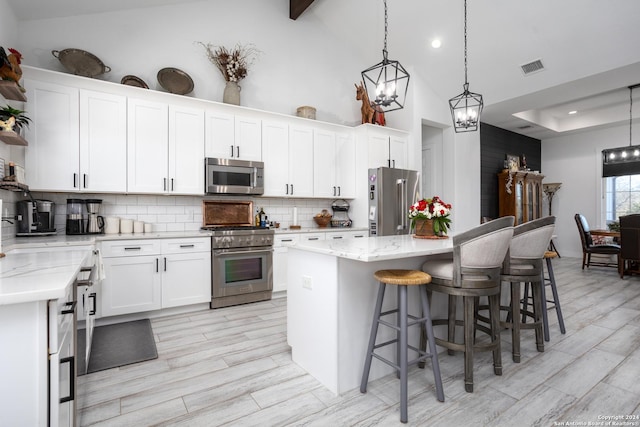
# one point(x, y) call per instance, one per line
point(370, 249)
point(62, 240)
point(318, 229)
point(36, 276)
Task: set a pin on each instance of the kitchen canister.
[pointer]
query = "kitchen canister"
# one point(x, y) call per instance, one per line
point(148, 227)
point(138, 227)
point(126, 226)
point(112, 225)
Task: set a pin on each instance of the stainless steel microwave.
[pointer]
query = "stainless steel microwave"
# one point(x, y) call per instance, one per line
point(230, 176)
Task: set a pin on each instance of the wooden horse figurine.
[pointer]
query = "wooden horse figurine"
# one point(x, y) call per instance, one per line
point(370, 113)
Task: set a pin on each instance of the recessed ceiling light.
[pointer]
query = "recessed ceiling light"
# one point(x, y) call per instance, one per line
point(573, 112)
point(436, 43)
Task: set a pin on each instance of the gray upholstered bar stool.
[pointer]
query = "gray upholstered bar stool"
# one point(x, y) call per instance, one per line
point(524, 265)
point(473, 272)
point(402, 279)
point(549, 280)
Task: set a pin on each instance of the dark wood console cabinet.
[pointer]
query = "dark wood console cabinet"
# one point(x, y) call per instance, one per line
point(520, 195)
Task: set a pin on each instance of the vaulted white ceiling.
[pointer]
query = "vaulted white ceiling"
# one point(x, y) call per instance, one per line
point(588, 48)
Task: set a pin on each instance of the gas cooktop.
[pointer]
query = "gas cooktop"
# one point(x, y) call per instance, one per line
point(234, 228)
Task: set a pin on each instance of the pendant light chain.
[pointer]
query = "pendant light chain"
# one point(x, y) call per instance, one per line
point(386, 26)
point(630, 113)
point(465, 42)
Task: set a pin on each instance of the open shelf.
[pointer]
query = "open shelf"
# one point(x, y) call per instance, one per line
point(12, 138)
point(10, 90)
point(13, 186)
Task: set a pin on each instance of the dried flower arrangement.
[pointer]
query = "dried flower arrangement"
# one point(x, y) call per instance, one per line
point(232, 63)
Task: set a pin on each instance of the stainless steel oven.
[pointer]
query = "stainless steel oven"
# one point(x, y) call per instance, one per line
point(241, 275)
point(241, 254)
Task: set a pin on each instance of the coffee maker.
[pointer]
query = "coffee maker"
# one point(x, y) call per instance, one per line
point(75, 216)
point(95, 222)
point(35, 218)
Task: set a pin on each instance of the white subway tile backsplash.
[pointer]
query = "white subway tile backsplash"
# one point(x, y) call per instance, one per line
point(171, 213)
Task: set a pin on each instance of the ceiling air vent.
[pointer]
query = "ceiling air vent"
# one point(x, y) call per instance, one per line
point(532, 67)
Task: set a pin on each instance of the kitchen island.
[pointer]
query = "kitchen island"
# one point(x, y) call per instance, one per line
point(331, 297)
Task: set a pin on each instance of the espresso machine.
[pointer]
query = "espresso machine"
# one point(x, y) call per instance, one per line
point(95, 222)
point(35, 218)
point(75, 216)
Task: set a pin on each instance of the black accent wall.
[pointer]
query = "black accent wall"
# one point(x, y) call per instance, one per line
point(495, 143)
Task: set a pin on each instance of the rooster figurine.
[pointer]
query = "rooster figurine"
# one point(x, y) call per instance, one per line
point(10, 66)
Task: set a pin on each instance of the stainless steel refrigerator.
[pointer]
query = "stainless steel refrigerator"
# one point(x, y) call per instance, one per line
point(391, 193)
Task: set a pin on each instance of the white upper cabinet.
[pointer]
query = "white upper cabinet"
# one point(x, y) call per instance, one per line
point(52, 157)
point(275, 154)
point(300, 161)
point(148, 153)
point(324, 161)
point(334, 164)
point(103, 142)
point(387, 147)
point(398, 147)
point(186, 150)
point(288, 160)
point(231, 136)
point(166, 148)
point(346, 165)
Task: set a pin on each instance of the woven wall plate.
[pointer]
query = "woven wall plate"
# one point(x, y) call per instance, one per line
point(175, 81)
point(130, 80)
point(80, 62)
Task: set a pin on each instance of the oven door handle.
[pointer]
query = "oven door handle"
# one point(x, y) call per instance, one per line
point(241, 251)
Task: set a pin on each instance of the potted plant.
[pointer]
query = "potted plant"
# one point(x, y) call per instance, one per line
point(21, 120)
point(430, 217)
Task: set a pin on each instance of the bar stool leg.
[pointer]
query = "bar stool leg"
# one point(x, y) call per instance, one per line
point(543, 303)
point(372, 338)
point(515, 321)
point(538, 294)
point(468, 342)
point(404, 354)
point(426, 302)
point(399, 331)
point(494, 318)
point(554, 291)
point(451, 334)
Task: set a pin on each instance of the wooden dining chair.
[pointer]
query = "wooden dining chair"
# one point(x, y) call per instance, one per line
point(589, 248)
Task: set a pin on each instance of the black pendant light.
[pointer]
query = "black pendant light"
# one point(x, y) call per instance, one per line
point(623, 160)
point(466, 107)
point(387, 82)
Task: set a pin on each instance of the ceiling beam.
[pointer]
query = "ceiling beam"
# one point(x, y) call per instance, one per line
point(297, 7)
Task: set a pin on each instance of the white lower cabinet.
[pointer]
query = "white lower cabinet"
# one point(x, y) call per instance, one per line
point(283, 241)
point(186, 274)
point(280, 245)
point(145, 275)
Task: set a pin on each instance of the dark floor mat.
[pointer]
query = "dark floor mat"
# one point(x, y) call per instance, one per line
point(118, 345)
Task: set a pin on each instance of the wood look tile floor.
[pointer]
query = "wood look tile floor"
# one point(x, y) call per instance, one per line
point(232, 367)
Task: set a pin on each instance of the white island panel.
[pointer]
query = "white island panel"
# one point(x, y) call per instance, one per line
point(329, 325)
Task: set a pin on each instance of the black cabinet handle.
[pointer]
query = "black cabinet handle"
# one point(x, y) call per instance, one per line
point(187, 246)
point(94, 297)
point(287, 192)
point(231, 150)
point(133, 248)
point(84, 180)
point(292, 189)
point(339, 191)
point(71, 360)
point(238, 151)
point(171, 184)
point(70, 310)
point(157, 265)
point(337, 237)
point(165, 263)
point(75, 180)
point(164, 184)
point(312, 238)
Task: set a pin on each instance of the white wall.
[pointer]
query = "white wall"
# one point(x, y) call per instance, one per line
point(8, 26)
point(576, 161)
point(300, 64)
